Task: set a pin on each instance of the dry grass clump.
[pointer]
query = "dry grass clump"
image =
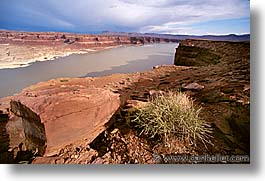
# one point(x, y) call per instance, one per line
point(173, 115)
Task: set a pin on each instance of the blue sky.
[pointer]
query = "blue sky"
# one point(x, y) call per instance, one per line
point(195, 17)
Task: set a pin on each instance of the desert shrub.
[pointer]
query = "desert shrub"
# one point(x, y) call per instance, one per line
point(173, 115)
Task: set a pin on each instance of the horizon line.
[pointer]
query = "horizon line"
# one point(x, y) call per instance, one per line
point(102, 32)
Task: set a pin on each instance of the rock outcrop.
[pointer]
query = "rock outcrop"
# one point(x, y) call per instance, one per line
point(63, 115)
point(197, 53)
point(193, 86)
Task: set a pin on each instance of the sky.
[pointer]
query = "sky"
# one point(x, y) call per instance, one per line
point(189, 17)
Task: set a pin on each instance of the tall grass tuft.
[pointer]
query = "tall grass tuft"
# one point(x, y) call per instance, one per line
point(173, 115)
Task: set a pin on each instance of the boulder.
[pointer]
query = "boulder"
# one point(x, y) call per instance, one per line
point(63, 114)
point(193, 86)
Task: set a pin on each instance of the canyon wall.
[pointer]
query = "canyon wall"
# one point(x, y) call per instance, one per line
point(195, 52)
point(75, 40)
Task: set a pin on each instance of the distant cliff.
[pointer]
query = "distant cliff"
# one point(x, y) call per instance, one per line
point(22, 48)
point(75, 40)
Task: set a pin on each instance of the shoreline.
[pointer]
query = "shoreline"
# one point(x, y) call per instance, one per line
point(49, 57)
point(21, 49)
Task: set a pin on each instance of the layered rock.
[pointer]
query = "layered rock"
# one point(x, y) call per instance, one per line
point(21, 48)
point(75, 40)
point(197, 53)
point(63, 115)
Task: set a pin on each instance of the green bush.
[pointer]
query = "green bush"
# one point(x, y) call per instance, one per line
point(173, 115)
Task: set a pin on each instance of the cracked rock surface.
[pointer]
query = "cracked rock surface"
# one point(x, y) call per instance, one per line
point(69, 113)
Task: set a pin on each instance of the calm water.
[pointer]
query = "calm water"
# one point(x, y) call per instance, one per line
point(118, 60)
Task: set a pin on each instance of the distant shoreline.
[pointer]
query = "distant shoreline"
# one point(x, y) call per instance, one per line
point(49, 57)
point(46, 57)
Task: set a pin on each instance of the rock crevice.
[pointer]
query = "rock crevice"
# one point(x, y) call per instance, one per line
point(34, 130)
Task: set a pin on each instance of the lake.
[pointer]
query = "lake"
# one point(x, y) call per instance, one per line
point(106, 62)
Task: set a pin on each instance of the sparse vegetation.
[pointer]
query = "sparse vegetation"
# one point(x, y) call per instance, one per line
point(173, 115)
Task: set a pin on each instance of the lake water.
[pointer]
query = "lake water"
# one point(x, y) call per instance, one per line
point(106, 62)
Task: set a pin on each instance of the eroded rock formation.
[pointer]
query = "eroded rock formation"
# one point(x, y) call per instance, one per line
point(62, 114)
point(75, 40)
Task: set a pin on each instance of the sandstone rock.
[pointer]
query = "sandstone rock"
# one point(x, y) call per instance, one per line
point(98, 160)
point(133, 105)
point(233, 129)
point(44, 160)
point(25, 127)
point(193, 86)
point(59, 116)
point(59, 161)
point(87, 157)
point(105, 159)
point(21, 137)
point(16, 138)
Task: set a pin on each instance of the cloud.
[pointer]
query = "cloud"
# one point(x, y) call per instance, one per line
point(119, 15)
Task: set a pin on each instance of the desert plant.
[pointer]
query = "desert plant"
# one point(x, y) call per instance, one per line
point(173, 115)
